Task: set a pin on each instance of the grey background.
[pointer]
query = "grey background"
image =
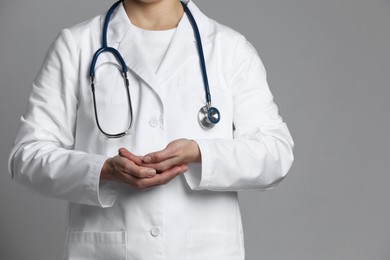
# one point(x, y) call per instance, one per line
point(328, 68)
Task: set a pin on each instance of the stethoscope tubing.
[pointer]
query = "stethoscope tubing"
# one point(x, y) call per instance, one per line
point(201, 54)
point(115, 52)
point(130, 110)
point(208, 115)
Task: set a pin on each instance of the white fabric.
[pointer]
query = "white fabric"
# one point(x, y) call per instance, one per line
point(59, 150)
point(155, 44)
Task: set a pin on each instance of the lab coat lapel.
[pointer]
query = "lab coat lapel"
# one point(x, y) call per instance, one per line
point(135, 58)
point(183, 44)
point(121, 33)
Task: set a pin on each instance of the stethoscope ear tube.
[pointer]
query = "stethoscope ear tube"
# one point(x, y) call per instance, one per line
point(120, 59)
point(128, 130)
point(208, 115)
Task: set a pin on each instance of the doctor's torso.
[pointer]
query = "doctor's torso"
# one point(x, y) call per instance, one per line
point(59, 151)
point(169, 220)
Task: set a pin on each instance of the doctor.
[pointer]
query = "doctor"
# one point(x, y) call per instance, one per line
point(146, 174)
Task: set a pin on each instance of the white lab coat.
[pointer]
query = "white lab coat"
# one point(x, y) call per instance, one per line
point(59, 150)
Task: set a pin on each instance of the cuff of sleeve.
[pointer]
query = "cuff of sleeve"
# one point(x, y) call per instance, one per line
point(103, 193)
point(199, 176)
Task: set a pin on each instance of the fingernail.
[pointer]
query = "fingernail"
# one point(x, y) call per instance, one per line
point(151, 173)
point(147, 159)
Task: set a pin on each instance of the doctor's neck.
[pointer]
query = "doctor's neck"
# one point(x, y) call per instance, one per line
point(154, 14)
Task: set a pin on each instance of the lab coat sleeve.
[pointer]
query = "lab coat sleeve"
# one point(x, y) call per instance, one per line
point(261, 152)
point(42, 157)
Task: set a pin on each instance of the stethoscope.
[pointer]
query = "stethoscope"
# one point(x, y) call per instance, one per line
point(208, 115)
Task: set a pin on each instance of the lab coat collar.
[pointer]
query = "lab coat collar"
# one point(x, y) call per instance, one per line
point(182, 46)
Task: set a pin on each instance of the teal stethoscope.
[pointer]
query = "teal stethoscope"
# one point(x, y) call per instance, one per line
point(208, 115)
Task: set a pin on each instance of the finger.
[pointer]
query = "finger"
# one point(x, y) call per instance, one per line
point(168, 175)
point(184, 168)
point(129, 179)
point(127, 154)
point(165, 165)
point(130, 168)
point(160, 179)
point(159, 156)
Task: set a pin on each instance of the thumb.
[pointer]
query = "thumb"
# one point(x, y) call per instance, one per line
point(159, 156)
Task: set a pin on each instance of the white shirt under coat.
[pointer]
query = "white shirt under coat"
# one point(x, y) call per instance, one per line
point(59, 151)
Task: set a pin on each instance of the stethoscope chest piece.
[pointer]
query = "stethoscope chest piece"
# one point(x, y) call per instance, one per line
point(208, 117)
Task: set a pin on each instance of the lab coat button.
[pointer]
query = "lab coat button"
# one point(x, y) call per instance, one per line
point(153, 122)
point(155, 231)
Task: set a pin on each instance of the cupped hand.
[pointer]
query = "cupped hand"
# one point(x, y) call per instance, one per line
point(178, 152)
point(142, 176)
point(153, 169)
point(127, 168)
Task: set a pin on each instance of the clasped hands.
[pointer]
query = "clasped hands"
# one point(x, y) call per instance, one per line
point(154, 168)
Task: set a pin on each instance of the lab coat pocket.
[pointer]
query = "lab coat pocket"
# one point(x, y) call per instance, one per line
point(96, 245)
point(208, 245)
